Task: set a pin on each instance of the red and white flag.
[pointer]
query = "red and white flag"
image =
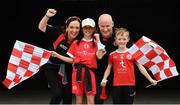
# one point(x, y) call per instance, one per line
point(24, 62)
point(154, 57)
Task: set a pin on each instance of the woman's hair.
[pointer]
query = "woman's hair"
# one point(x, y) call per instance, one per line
point(68, 21)
point(72, 18)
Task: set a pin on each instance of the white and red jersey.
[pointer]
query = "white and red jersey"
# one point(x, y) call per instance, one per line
point(123, 68)
point(84, 53)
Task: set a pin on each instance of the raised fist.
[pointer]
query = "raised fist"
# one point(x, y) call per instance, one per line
point(50, 12)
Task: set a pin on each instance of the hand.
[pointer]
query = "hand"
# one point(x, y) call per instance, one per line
point(50, 12)
point(154, 82)
point(96, 36)
point(54, 54)
point(103, 82)
point(100, 53)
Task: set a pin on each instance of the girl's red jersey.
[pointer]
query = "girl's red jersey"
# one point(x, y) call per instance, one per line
point(84, 53)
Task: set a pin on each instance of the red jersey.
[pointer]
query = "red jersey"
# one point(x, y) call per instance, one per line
point(84, 53)
point(123, 68)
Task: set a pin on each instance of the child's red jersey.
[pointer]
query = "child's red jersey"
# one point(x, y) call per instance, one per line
point(84, 53)
point(123, 68)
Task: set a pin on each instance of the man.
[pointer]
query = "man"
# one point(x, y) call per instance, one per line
point(106, 25)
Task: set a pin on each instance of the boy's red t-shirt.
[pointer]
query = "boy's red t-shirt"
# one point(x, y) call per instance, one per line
point(123, 68)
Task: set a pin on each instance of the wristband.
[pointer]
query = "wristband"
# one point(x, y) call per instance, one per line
point(47, 16)
point(104, 81)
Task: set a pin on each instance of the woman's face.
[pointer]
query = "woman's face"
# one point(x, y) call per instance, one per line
point(73, 29)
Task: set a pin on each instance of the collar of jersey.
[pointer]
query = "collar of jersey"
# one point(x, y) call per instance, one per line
point(87, 40)
point(122, 51)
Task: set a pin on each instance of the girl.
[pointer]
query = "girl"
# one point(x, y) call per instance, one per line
point(83, 53)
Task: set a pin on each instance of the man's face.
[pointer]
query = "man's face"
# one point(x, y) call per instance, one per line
point(106, 28)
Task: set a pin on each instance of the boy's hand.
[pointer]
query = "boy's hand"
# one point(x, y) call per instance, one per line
point(103, 82)
point(154, 82)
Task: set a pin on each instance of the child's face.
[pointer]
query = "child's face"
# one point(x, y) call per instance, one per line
point(122, 40)
point(88, 30)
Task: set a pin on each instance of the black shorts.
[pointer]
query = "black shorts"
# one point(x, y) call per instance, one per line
point(123, 94)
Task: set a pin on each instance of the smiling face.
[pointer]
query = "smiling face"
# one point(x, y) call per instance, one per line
point(106, 25)
point(73, 29)
point(88, 31)
point(122, 37)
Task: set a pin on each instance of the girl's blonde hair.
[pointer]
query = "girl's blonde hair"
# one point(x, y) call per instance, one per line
point(121, 32)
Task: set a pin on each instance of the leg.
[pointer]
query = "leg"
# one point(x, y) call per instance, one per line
point(129, 94)
point(67, 94)
point(117, 96)
point(98, 89)
point(90, 99)
point(79, 99)
point(55, 83)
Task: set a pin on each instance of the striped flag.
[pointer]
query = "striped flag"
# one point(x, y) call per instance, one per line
point(24, 62)
point(154, 57)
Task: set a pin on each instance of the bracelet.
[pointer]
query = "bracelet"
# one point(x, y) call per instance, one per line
point(104, 81)
point(47, 16)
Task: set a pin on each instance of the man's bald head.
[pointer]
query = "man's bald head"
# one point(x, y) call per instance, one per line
point(105, 18)
point(106, 25)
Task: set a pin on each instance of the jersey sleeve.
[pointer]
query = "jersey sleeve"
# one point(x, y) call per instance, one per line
point(110, 59)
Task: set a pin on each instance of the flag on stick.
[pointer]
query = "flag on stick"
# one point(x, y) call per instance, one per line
point(154, 57)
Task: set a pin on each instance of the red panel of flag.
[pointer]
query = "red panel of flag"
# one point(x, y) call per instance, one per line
point(154, 57)
point(24, 62)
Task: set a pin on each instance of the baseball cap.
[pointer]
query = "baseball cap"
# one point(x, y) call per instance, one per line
point(88, 22)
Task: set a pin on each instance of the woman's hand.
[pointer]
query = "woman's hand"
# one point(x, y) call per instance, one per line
point(50, 13)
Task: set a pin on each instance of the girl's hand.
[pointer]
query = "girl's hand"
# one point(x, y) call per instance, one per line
point(54, 54)
point(97, 37)
point(100, 54)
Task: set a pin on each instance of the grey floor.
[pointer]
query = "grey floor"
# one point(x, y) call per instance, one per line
point(147, 96)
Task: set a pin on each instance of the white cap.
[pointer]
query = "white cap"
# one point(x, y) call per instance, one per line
point(88, 22)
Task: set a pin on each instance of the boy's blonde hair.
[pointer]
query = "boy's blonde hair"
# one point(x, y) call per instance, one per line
point(121, 32)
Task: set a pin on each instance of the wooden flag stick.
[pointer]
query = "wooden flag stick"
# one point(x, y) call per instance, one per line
point(149, 85)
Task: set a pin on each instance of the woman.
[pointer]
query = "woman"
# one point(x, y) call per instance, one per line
point(57, 72)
